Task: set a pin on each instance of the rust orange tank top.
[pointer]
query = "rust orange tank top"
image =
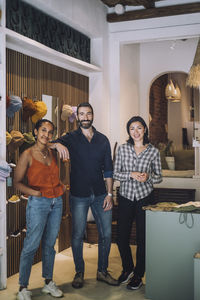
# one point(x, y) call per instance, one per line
point(45, 178)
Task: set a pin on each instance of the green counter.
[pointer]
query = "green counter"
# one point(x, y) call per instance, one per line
point(170, 249)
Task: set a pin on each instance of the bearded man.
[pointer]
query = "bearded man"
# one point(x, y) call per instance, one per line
point(91, 167)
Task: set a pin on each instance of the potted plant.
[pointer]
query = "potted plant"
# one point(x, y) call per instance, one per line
point(169, 156)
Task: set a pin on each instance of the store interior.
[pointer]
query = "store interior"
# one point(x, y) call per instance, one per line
point(122, 69)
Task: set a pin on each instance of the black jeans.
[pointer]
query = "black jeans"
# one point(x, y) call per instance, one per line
point(127, 212)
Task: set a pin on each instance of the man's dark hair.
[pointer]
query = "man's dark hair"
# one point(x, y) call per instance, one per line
point(137, 119)
point(85, 104)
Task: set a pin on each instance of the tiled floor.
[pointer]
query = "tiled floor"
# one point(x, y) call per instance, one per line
point(64, 272)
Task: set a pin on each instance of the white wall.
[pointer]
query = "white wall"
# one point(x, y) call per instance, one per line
point(157, 58)
point(129, 83)
point(155, 37)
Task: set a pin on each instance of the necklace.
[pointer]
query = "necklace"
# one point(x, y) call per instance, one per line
point(44, 153)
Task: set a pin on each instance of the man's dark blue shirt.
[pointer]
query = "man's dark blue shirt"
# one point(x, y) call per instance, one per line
point(91, 162)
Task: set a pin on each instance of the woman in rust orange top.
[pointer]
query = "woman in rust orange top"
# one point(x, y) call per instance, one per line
point(44, 208)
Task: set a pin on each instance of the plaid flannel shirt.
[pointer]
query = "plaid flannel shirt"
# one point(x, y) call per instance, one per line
point(127, 161)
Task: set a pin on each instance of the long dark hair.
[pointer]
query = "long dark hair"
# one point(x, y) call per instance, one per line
point(39, 123)
point(137, 119)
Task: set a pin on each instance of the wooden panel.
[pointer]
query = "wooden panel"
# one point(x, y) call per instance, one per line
point(29, 77)
point(173, 195)
point(145, 3)
point(92, 233)
point(155, 12)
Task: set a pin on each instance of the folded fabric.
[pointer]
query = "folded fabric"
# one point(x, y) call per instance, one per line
point(29, 108)
point(29, 138)
point(40, 112)
point(73, 115)
point(7, 101)
point(17, 140)
point(8, 138)
point(5, 170)
point(160, 206)
point(15, 234)
point(67, 111)
point(191, 206)
point(193, 203)
point(14, 199)
point(14, 106)
point(24, 197)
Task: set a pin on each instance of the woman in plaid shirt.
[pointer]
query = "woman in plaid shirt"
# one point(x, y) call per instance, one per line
point(137, 167)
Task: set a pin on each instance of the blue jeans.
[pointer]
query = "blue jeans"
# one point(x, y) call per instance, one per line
point(43, 217)
point(79, 209)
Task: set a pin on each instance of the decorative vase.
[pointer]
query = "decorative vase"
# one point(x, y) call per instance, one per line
point(170, 162)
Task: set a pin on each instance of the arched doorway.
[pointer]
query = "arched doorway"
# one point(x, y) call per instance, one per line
point(172, 122)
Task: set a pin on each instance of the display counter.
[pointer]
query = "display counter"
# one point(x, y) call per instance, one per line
point(172, 239)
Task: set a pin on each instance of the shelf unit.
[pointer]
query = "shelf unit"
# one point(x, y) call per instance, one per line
point(12, 40)
point(25, 45)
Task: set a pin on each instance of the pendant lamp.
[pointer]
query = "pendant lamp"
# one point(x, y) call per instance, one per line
point(177, 97)
point(172, 91)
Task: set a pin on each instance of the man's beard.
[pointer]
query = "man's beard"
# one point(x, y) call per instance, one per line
point(85, 124)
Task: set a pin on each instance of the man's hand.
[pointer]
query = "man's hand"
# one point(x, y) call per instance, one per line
point(62, 150)
point(108, 203)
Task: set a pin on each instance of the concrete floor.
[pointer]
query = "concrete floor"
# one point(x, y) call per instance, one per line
point(64, 273)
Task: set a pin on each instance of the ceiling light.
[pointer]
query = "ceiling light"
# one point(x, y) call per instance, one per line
point(119, 9)
point(172, 91)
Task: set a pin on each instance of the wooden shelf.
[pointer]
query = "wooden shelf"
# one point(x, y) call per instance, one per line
point(33, 48)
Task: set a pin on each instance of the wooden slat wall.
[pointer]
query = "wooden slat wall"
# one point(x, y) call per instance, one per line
point(29, 77)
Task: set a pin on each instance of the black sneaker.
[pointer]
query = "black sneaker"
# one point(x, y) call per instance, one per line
point(125, 277)
point(77, 283)
point(135, 283)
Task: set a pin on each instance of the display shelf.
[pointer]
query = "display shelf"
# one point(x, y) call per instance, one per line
point(25, 45)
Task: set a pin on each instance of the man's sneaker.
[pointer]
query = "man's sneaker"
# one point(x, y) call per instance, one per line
point(77, 283)
point(24, 294)
point(125, 277)
point(52, 289)
point(135, 283)
point(107, 278)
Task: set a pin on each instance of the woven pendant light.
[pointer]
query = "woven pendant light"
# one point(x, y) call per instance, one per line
point(169, 90)
point(193, 79)
point(172, 92)
point(177, 97)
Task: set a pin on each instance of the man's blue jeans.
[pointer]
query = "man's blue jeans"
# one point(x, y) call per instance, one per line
point(43, 216)
point(79, 209)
